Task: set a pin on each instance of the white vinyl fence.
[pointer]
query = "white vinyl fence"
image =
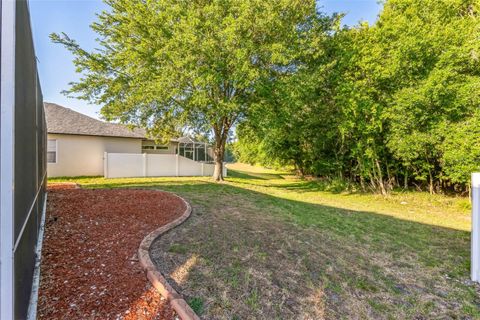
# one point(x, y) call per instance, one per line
point(124, 165)
point(475, 236)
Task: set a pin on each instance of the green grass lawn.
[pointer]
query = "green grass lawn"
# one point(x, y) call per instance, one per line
point(267, 245)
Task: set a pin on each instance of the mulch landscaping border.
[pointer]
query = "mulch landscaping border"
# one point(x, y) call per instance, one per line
point(90, 268)
point(158, 281)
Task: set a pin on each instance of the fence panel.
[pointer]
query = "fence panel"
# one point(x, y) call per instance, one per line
point(124, 165)
point(189, 168)
point(161, 165)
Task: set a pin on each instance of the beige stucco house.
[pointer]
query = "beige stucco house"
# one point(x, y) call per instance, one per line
point(77, 143)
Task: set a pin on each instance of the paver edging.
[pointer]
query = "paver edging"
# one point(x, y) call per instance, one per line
point(158, 281)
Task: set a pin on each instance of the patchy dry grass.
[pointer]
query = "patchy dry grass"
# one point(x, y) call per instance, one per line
point(266, 245)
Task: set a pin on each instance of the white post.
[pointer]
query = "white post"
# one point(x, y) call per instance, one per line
point(7, 163)
point(475, 237)
point(145, 164)
point(202, 168)
point(176, 165)
point(105, 165)
point(224, 173)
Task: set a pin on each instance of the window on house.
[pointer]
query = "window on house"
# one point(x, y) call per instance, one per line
point(154, 147)
point(52, 151)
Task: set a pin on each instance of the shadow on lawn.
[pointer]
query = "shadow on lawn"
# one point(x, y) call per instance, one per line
point(253, 175)
point(298, 185)
point(317, 186)
point(260, 256)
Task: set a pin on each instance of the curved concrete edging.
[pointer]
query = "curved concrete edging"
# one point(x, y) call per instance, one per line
point(179, 304)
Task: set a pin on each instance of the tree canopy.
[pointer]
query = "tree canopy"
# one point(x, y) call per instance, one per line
point(173, 65)
point(386, 105)
point(392, 104)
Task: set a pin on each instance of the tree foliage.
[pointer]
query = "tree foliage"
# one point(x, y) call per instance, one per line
point(392, 104)
point(169, 65)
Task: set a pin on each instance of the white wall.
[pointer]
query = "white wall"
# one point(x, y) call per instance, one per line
point(160, 165)
point(172, 147)
point(475, 235)
point(79, 155)
point(120, 165)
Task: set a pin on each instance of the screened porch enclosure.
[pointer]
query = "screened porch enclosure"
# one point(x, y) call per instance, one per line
point(195, 150)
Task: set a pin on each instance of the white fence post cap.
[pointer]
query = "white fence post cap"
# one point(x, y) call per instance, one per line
point(476, 179)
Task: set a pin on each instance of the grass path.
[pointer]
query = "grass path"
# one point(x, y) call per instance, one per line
point(267, 245)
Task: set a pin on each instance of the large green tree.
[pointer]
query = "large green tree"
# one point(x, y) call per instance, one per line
point(196, 65)
point(435, 69)
point(389, 104)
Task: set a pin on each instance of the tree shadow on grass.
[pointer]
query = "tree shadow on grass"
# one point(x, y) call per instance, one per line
point(303, 186)
point(254, 255)
point(298, 184)
point(255, 176)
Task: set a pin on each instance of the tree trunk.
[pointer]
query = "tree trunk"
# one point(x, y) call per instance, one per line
point(470, 193)
point(362, 183)
point(221, 135)
point(430, 176)
point(219, 153)
point(380, 179)
point(430, 187)
point(221, 130)
point(299, 167)
point(372, 180)
point(360, 175)
point(218, 171)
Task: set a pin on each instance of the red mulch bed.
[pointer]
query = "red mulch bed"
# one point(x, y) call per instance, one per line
point(89, 268)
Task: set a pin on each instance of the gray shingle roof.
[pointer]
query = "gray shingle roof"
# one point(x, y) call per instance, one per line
point(66, 121)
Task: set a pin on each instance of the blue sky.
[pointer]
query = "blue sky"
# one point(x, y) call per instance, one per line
point(74, 18)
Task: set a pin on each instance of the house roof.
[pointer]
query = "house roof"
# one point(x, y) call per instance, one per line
point(184, 139)
point(66, 121)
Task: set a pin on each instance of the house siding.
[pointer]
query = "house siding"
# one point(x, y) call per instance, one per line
point(172, 148)
point(79, 155)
